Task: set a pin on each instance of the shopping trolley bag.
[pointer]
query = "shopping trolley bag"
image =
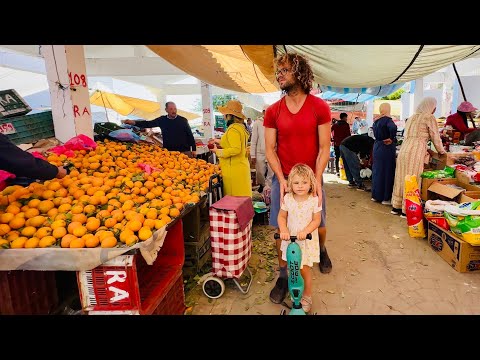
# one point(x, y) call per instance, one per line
point(231, 235)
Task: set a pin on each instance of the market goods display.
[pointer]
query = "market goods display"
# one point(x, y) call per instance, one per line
point(115, 195)
point(464, 221)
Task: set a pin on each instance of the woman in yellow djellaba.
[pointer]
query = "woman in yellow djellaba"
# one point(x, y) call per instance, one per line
point(233, 155)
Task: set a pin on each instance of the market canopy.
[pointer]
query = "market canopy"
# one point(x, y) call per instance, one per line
point(249, 68)
point(129, 106)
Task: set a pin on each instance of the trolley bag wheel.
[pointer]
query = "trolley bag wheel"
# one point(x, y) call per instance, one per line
point(213, 287)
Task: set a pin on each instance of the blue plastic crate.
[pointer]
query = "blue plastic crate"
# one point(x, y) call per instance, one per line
point(31, 128)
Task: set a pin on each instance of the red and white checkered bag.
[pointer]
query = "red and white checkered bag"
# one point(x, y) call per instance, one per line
point(231, 247)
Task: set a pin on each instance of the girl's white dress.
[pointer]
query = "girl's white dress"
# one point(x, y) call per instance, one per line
point(300, 214)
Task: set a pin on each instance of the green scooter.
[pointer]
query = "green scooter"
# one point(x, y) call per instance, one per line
point(295, 279)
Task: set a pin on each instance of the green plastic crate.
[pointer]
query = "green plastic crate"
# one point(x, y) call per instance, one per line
point(105, 128)
point(31, 128)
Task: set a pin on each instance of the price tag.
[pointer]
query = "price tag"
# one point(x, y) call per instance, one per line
point(7, 128)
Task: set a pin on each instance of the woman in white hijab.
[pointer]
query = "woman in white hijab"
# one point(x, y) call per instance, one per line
point(420, 128)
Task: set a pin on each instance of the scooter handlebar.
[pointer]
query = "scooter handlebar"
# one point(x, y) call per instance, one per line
point(276, 236)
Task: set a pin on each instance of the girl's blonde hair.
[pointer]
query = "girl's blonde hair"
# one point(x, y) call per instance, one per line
point(303, 171)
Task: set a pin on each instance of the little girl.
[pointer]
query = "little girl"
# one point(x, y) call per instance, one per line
point(300, 215)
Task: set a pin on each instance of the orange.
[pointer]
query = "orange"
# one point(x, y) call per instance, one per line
point(159, 224)
point(33, 203)
point(174, 212)
point(131, 240)
point(59, 232)
point(42, 232)
point(92, 224)
point(12, 235)
point(52, 213)
point(32, 243)
point(18, 243)
point(48, 194)
point(28, 231)
point(54, 186)
point(149, 223)
point(91, 241)
point(45, 206)
point(110, 222)
point(37, 221)
point(61, 193)
point(134, 225)
point(66, 240)
point(47, 241)
point(12, 209)
point(58, 223)
point(17, 222)
point(125, 234)
point(109, 242)
point(81, 218)
point(105, 234)
point(5, 218)
point(152, 214)
point(77, 209)
point(77, 243)
point(72, 226)
point(79, 231)
point(64, 208)
point(144, 233)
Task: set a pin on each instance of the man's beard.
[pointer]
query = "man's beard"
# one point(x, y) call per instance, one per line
point(288, 86)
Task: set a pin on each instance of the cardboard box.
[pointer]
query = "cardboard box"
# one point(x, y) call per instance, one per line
point(433, 189)
point(451, 157)
point(426, 183)
point(461, 256)
point(437, 162)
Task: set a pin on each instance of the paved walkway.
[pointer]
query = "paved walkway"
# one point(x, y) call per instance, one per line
point(377, 268)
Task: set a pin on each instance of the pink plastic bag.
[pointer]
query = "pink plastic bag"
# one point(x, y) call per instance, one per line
point(4, 176)
point(147, 168)
point(38, 155)
point(80, 142)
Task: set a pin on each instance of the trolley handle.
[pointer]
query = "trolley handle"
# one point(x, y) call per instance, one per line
point(211, 185)
point(276, 236)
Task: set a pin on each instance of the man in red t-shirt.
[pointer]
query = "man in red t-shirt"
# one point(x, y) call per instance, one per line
point(297, 130)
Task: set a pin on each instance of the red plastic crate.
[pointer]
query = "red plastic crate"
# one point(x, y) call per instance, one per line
point(173, 302)
point(127, 285)
point(27, 292)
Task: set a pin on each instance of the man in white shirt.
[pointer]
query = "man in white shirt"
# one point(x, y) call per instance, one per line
point(257, 153)
point(359, 126)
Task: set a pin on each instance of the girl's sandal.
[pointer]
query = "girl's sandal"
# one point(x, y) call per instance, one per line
point(306, 303)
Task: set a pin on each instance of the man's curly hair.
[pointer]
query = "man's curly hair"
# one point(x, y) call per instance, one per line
point(300, 67)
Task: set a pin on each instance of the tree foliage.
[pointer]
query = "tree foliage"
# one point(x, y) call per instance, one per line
point(395, 95)
point(218, 100)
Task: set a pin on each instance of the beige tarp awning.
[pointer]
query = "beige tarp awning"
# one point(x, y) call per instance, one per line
point(243, 68)
point(249, 68)
point(125, 105)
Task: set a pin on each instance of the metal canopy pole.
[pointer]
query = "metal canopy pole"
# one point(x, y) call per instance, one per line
point(463, 93)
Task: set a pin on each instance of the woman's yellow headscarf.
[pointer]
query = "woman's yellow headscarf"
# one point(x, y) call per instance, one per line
point(385, 109)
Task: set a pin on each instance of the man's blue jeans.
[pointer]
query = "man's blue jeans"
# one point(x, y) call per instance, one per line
point(351, 164)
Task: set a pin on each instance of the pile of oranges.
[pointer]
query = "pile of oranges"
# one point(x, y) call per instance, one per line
point(106, 200)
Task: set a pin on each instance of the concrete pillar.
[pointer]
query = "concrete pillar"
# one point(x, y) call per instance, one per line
point(418, 94)
point(162, 99)
point(369, 115)
point(207, 106)
point(67, 80)
point(407, 105)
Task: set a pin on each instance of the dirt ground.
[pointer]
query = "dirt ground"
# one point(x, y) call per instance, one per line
point(377, 268)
